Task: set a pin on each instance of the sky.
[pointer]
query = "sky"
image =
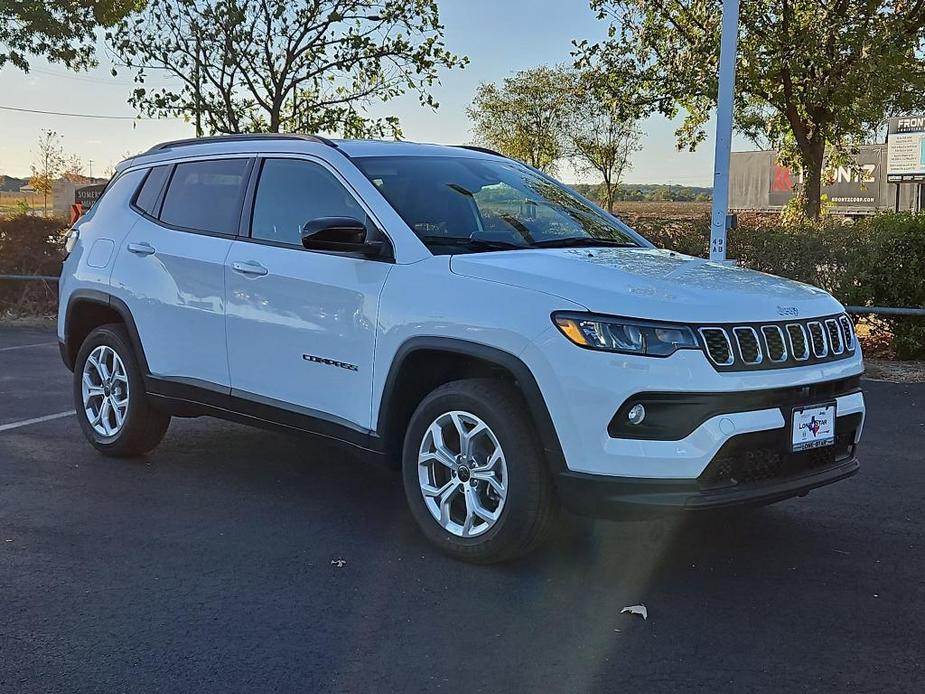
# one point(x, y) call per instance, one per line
point(499, 37)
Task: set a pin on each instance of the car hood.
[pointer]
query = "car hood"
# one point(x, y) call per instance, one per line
point(650, 283)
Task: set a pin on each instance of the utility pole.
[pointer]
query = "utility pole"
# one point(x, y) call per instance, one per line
point(720, 220)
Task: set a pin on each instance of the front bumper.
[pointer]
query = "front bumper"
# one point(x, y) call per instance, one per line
point(583, 390)
point(601, 496)
point(750, 469)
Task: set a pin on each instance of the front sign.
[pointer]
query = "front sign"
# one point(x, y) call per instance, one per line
point(86, 196)
point(905, 159)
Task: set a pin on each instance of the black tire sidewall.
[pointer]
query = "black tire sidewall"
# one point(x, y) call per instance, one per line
point(502, 411)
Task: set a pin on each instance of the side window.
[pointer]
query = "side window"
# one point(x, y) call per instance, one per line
point(150, 189)
point(206, 195)
point(291, 192)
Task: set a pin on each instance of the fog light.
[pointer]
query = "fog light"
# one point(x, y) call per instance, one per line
point(636, 414)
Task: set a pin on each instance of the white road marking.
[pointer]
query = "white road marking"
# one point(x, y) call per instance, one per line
point(35, 344)
point(36, 420)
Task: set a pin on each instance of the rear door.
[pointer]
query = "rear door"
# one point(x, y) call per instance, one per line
point(170, 270)
point(302, 324)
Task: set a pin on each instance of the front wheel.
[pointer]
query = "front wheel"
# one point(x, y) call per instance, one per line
point(112, 406)
point(474, 474)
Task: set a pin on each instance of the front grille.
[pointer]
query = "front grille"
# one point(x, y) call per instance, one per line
point(778, 345)
point(760, 457)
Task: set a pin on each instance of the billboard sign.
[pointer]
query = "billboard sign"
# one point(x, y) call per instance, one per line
point(905, 159)
point(845, 186)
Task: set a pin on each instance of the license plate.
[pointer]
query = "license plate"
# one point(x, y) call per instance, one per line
point(813, 427)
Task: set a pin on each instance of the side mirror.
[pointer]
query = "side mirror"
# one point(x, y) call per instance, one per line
point(340, 234)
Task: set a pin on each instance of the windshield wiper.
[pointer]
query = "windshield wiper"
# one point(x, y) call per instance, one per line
point(581, 241)
point(474, 243)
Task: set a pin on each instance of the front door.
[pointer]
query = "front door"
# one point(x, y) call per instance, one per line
point(302, 324)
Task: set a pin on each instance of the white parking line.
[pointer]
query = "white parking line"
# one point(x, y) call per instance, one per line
point(35, 344)
point(36, 420)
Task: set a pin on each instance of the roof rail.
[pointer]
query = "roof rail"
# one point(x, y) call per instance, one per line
point(242, 137)
point(484, 150)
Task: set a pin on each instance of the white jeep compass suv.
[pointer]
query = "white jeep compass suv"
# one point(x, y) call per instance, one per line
point(507, 343)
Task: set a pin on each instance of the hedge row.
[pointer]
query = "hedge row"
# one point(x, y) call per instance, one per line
point(30, 246)
point(877, 261)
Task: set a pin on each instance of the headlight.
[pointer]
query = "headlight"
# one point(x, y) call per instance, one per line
point(625, 335)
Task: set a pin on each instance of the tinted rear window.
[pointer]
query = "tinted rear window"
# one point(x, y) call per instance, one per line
point(206, 195)
point(150, 189)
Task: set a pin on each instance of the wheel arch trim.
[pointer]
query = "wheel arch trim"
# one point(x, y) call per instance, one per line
point(95, 296)
point(523, 377)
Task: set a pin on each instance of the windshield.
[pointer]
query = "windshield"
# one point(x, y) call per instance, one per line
point(465, 204)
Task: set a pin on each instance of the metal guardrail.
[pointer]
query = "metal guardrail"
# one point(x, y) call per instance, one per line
point(26, 278)
point(884, 311)
point(855, 310)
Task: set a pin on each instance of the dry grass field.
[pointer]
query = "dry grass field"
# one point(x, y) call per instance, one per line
point(10, 201)
point(662, 211)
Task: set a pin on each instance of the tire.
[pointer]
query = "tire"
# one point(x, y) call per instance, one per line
point(521, 500)
point(142, 427)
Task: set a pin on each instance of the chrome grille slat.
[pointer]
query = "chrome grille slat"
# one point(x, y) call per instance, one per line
point(847, 332)
point(748, 344)
point(833, 332)
point(719, 347)
point(817, 339)
point(775, 343)
point(799, 343)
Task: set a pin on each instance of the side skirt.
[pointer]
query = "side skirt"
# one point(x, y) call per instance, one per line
point(193, 398)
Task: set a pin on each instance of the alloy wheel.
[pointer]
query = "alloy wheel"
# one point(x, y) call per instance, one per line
point(105, 390)
point(462, 474)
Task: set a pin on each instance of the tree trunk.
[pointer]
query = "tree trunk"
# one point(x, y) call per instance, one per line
point(813, 161)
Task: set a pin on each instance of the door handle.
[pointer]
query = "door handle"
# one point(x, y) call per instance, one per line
point(249, 268)
point(141, 248)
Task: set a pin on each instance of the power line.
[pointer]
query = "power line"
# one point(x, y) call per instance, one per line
point(96, 80)
point(79, 115)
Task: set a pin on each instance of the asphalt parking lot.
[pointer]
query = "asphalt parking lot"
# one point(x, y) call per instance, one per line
point(237, 560)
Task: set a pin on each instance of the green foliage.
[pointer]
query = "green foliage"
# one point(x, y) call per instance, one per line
point(812, 75)
point(29, 246)
point(600, 137)
point(879, 261)
point(49, 161)
point(525, 116)
point(543, 115)
point(61, 31)
point(275, 65)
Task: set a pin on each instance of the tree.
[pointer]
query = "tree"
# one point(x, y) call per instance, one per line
point(61, 31)
point(274, 65)
point(524, 117)
point(600, 137)
point(812, 75)
point(72, 168)
point(49, 160)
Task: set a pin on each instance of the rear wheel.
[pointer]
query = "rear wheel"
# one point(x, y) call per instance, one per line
point(112, 406)
point(474, 476)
